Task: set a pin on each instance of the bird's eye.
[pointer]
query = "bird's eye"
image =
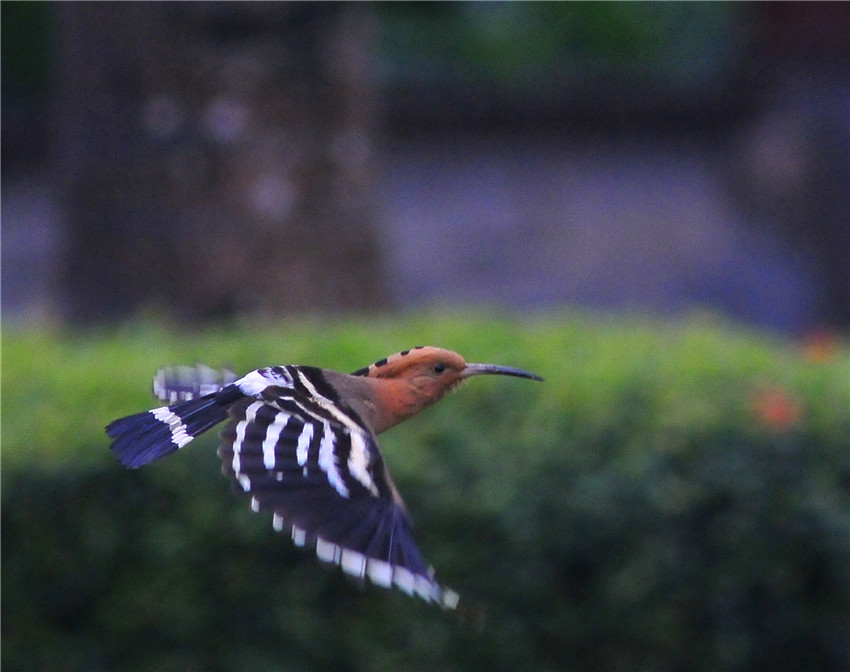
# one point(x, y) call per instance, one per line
point(439, 368)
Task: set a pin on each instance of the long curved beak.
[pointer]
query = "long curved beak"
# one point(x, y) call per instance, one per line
point(495, 369)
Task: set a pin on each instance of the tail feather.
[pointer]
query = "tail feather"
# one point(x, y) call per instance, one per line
point(144, 437)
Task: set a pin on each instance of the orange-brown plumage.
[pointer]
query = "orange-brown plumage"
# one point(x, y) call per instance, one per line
point(403, 384)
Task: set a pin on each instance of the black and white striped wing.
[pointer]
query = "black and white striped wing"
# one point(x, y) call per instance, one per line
point(325, 481)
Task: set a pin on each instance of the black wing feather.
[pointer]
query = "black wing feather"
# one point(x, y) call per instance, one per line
point(313, 486)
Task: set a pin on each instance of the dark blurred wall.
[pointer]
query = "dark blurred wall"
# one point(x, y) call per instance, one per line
point(791, 171)
point(216, 158)
point(722, 129)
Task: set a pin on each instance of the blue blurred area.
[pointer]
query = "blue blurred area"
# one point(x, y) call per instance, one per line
point(658, 157)
point(541, 222)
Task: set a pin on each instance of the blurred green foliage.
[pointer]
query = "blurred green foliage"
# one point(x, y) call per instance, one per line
point(512, 43)
point(25, 44)
point(673, 497)
point(507, 43)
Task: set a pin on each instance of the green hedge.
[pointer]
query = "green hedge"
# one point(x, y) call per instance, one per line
point(673, 497)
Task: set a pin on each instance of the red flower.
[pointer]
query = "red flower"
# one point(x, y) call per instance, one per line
point(776, 408)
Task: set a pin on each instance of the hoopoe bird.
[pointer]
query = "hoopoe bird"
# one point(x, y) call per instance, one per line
point(302, 443)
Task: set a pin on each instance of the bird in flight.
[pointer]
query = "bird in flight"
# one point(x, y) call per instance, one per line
point(301, 441)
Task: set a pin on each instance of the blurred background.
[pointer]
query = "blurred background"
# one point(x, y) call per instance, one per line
point(206, 160)
point(646, 203)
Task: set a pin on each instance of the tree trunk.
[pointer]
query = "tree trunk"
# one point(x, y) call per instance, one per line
point(216, 158)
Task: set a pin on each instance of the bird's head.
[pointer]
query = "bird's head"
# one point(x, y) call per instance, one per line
point(421, 376)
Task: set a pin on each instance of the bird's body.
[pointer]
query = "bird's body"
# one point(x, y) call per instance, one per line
point(302, 442)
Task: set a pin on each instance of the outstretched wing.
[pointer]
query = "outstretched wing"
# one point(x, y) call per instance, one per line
point(175, 384)
point(321, 473)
